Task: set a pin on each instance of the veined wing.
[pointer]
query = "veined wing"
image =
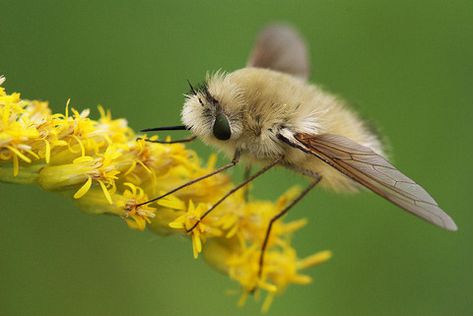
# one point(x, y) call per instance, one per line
point(279, 47)
point(373, 171)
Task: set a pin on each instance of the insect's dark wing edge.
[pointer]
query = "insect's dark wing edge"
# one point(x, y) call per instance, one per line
point(279, 47)
point(373, 171)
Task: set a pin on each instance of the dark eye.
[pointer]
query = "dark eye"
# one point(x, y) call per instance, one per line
point(221, 128)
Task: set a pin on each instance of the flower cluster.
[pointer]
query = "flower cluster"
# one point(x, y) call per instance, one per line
point(106, 168)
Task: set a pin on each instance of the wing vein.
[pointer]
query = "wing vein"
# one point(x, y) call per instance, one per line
point(373, 171)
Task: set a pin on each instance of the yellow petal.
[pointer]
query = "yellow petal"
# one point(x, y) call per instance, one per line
point(105, 191)
point(83, 159)
point(145, 167)
point(191, 207)
point(294, 225)
point(67, 108)
point(32, 153)
point(132, 167)
point(131, 223)
point(60, 143)
point(82, 148)
point(267, 303)
point(47, 151)
point(315, 259)
point(84, 189)
point(268, 287)
point(232, 231)
point(301, 279)
point(131, 186)
point(196, 243)
point(136, 223)
point(19, 154)
point(177, 224)
point(172, 202)
point(243, 298)
point(101, 111)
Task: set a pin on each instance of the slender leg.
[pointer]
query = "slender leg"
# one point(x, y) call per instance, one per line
point(251, 178)
point(278, 216)
point(184, 140)
point(235, 160)
point(246, 176)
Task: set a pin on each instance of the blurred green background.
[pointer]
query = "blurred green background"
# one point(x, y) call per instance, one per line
point(406, 65)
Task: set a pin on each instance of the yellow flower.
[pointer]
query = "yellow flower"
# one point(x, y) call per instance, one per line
point(136, 216)
point(107, 169)
point(281, 268)
point(17, 131)
point(113, 131)
point(84, 171)
point(200, 229)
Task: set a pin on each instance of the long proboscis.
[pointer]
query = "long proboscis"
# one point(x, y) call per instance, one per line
point(166, 128)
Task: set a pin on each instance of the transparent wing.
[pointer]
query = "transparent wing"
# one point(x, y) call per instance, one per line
point(279, 47)
point(373, 171)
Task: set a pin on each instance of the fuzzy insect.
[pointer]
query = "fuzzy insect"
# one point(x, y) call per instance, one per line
point(267, 113)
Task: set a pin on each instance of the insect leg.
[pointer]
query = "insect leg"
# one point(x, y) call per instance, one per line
point(236, 188)
point(183, 140)
point(246, 176)
point(278, 216)
point(235, 160)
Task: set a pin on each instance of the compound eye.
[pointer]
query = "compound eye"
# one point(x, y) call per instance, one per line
point(221, 128)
